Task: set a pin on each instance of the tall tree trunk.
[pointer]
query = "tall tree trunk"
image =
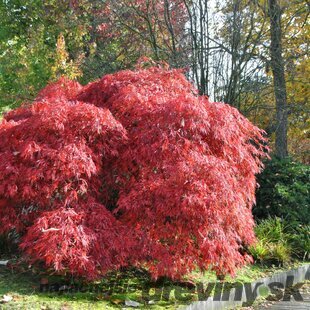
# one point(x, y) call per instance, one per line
point(277, 65)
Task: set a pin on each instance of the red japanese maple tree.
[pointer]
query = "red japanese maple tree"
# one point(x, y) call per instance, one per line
point(133, 169)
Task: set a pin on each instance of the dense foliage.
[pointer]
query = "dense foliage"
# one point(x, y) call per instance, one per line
point(283, 204)
point(280, 241)
point(284, 191)
point(135, 168)
point(272, 246)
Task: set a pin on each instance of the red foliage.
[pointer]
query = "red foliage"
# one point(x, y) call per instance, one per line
point(51, 167)
point(135, 169)
point(62, 89)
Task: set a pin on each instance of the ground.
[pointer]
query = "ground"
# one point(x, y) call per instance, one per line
point(273, 303)
point(114, 291)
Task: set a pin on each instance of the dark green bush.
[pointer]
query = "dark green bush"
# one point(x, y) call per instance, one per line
point(284, 191)
point(299, 239)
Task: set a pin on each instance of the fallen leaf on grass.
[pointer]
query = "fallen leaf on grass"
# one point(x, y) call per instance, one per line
point(116, 301)
point(65, 306)
point(3, 262)
point(6, 298)
point(131, 303)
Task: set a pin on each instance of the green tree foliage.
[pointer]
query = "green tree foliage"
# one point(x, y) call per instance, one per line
point(29, 53)
point(42, 40)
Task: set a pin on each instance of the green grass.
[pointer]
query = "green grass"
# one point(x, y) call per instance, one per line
point(4, 109)
point(24, 288)
point(112, 291)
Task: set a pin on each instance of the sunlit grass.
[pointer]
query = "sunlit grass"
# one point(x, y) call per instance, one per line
point(114, 290)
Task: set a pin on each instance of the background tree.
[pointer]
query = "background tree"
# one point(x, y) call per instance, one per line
point(28, 45)
point(255, 89)
point(225, 47)
point(277, 65)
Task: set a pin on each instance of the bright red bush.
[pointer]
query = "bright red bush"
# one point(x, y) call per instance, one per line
point(136, 169)
point(51, 184)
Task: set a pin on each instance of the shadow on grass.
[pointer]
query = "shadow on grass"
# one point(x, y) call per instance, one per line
point(112, 291)
point(109, 293)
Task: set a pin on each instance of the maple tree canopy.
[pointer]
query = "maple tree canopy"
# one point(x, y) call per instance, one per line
point(133, 169)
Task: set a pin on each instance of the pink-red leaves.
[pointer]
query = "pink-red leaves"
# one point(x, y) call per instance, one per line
point(135, 168)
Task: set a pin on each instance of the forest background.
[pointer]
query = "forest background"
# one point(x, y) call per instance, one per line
point(251, 54)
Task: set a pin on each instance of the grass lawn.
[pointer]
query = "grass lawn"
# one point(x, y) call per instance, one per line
point(112, 292)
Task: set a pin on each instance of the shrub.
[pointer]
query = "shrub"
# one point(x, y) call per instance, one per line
point(134, 169)
point(50, 184)
point(269, 253)
point(272, 246)
point(259, 251)
point(272, 229)
point(299, 238)
point(284, 191)
point(279, 253)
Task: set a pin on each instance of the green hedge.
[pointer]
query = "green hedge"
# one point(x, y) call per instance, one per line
point(282, 212)
point(284, 191)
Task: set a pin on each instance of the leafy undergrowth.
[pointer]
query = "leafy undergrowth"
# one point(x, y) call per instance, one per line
point(130, 286)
